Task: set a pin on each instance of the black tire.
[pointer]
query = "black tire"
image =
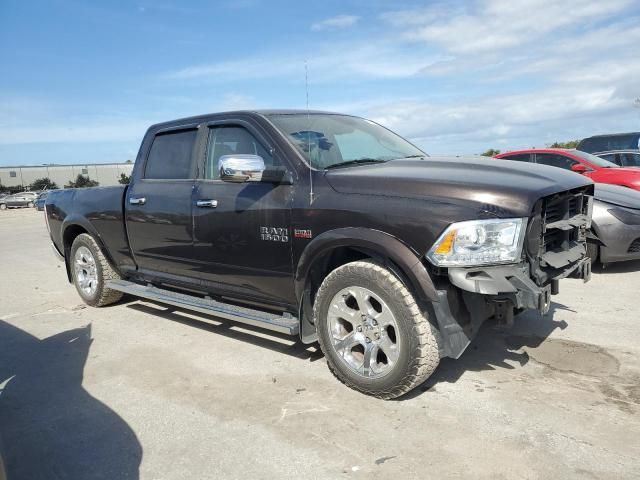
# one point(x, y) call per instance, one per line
point(592, 252)
point(103, 272)
point(30, 204)
point(3, 206)
point(418, 352)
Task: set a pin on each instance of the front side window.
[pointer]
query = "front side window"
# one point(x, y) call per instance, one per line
point(326, 140)
point(170, 155)
point(555, 160)
point(229, 140)
point(12, 174)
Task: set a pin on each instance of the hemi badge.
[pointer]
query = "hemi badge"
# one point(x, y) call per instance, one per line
point(298, 233)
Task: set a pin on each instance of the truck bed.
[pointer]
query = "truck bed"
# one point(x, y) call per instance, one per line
point(99, 211)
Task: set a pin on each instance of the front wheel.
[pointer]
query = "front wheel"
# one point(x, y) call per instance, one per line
point(30, 204)
point(375, 338)
point(90, 271)
point(3, 206)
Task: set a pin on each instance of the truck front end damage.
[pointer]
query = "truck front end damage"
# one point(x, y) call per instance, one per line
point(553, 247)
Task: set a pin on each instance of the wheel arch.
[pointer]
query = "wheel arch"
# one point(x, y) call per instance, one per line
point(71, 228)
point(336, 247)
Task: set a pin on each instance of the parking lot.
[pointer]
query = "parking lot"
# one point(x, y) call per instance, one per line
point(140, 391)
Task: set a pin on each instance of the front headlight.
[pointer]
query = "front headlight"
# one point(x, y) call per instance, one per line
point(479, 242)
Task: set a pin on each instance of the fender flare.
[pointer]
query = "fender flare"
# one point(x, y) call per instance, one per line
point(80, 221)
point(376, 241)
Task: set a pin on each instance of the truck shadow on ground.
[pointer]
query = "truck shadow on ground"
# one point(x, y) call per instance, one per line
point(50, 426)
point(498, 348)
point(493, 348)
point(259, 337)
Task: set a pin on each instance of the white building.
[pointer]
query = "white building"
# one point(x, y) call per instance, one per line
point(104, 173)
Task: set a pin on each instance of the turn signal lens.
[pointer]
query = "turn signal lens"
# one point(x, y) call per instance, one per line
point(446, 246)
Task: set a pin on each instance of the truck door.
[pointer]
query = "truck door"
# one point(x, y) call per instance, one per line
point(242, 230)
point(158, 204)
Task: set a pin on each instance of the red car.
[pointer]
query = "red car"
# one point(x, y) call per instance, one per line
point(597, 169)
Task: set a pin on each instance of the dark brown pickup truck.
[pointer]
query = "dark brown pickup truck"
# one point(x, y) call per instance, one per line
point(330, 227)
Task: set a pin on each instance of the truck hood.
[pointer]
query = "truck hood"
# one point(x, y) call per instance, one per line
point(504, 187)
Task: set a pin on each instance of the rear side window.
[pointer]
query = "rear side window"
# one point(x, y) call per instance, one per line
point(554, 160)
point(170, 155)
point(523, 157)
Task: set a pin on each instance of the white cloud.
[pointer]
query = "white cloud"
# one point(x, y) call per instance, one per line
point(376, 59)
point(485, 74)
point(528, 72)
point(493, 25)
point(339, 21)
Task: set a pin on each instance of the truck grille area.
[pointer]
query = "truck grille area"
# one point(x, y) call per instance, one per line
point(556, 234)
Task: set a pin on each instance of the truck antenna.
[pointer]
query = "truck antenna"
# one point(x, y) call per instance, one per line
point(306, 88)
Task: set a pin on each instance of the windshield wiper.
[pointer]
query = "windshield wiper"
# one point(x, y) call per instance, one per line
point(356, 162)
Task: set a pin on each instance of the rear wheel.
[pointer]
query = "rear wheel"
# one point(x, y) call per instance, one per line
point(375, 338)
point(90, 271)
point(3, 206)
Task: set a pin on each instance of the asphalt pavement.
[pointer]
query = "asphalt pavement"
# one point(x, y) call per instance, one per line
point(137, 390)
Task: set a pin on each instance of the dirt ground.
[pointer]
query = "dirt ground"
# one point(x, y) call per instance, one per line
point(140, 391)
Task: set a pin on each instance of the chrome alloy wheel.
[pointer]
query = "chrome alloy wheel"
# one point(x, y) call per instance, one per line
point(85, 268)
point(363, 332)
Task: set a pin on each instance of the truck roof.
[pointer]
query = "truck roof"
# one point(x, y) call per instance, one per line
point(264, 112)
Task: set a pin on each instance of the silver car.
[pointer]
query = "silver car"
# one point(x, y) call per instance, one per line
point(624, 158)
point(18, 200)
point(616, 223)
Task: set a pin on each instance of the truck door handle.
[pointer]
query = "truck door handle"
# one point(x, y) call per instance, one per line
point(207, 203)
point(137, 200)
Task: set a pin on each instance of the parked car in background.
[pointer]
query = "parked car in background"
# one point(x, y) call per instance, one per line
point(616, 223)
point(19, 200)
point(597, 169)
point(624, 158)
point(42, 197)
point(606, 143)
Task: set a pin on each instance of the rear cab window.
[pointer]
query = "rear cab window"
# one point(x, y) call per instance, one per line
point(171, 155)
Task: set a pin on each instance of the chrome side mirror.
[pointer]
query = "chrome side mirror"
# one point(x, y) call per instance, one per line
point(241, 168)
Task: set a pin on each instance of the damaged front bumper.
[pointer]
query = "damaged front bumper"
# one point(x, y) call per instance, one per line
point(484, 292)
point(512, 282)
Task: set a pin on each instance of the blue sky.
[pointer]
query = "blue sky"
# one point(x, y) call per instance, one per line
point(81, 81)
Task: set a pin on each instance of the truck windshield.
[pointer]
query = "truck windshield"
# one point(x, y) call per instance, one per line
point(328, 140)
